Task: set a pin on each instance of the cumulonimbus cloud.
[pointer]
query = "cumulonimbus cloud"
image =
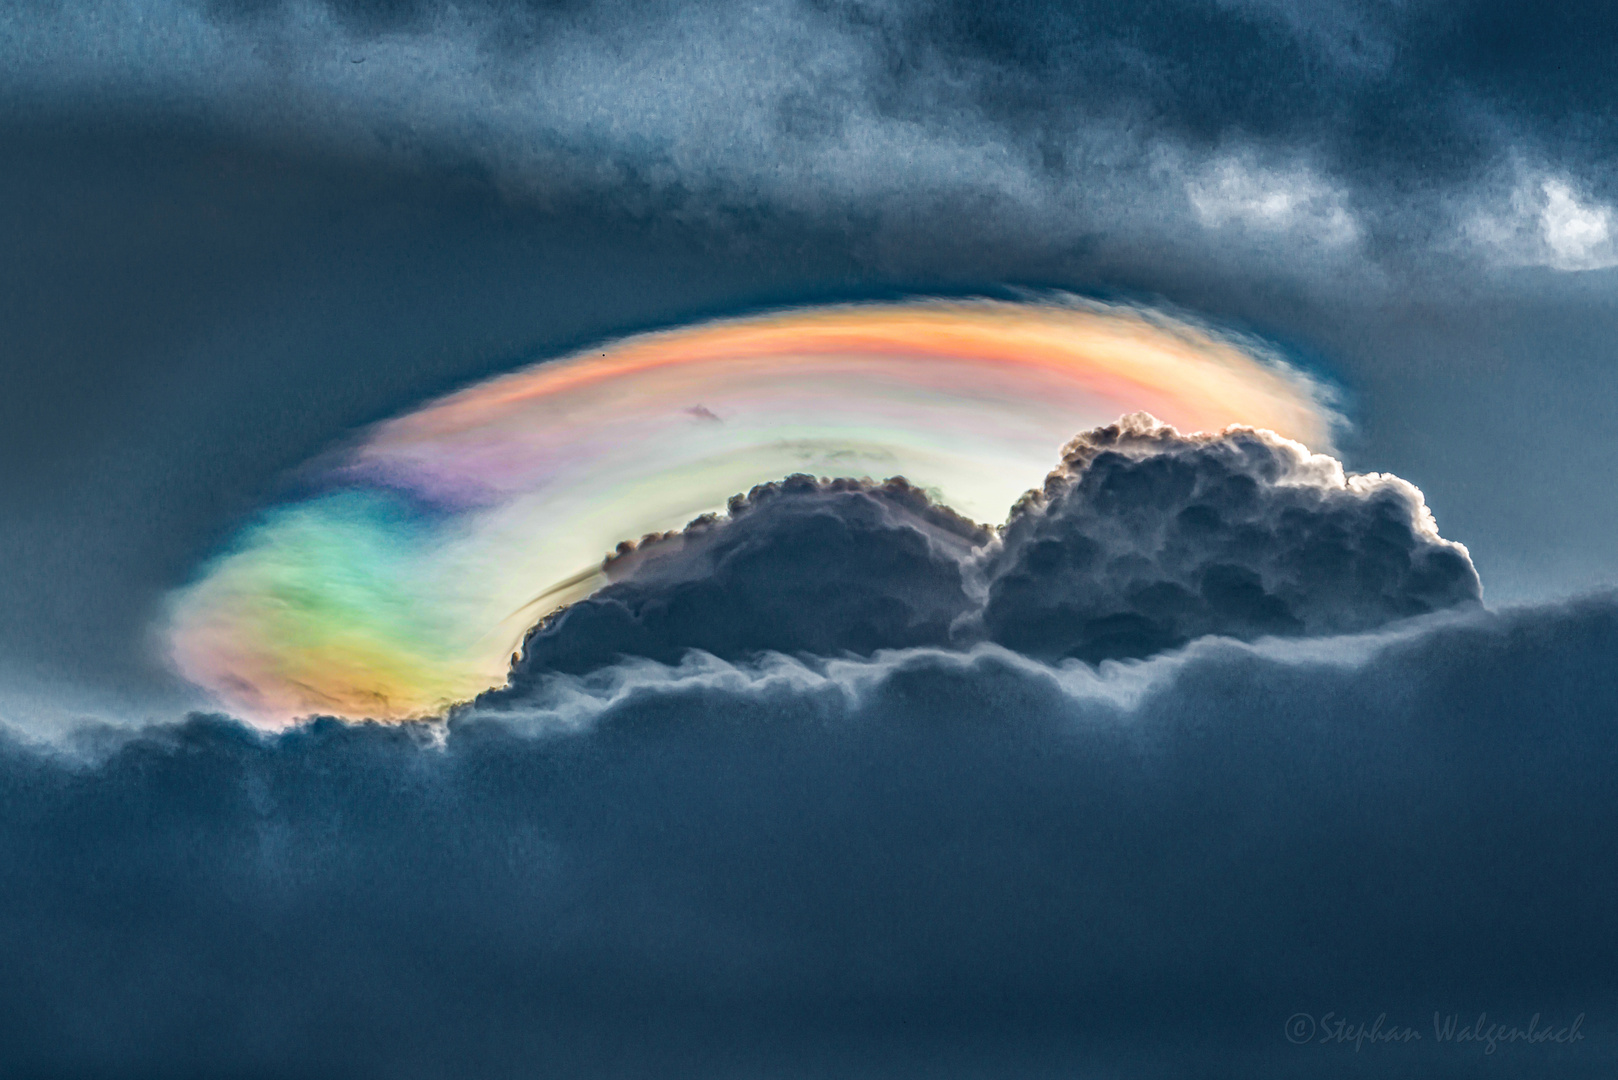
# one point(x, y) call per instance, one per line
point(1142, 540)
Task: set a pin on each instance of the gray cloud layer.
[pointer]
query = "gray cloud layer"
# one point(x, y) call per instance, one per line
point(939, 864)
point(1339, 131)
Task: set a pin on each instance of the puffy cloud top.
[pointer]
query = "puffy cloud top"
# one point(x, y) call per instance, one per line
point(1142, 540)
point(1145, 538)
point(797, 566)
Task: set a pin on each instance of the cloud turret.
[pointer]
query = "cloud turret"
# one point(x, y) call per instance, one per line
point(1145, 538)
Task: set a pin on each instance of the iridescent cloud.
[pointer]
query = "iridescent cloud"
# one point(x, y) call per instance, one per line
point(446, 532)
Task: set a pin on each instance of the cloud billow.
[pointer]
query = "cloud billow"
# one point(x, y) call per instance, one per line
point(1144, 539)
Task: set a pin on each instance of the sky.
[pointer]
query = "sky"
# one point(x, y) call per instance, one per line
point(870, 779)
point(233, 244)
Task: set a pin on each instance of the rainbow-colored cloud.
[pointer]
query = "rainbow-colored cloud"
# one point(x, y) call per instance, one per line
point(447, 532)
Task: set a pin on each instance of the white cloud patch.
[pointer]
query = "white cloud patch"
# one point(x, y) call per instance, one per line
point(1549, 221)
point(1294, 201)
point(1578, 234)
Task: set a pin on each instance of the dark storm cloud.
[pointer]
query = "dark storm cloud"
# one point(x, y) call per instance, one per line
point(1144, 539)
point(939, 864)
point(1140, 541)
